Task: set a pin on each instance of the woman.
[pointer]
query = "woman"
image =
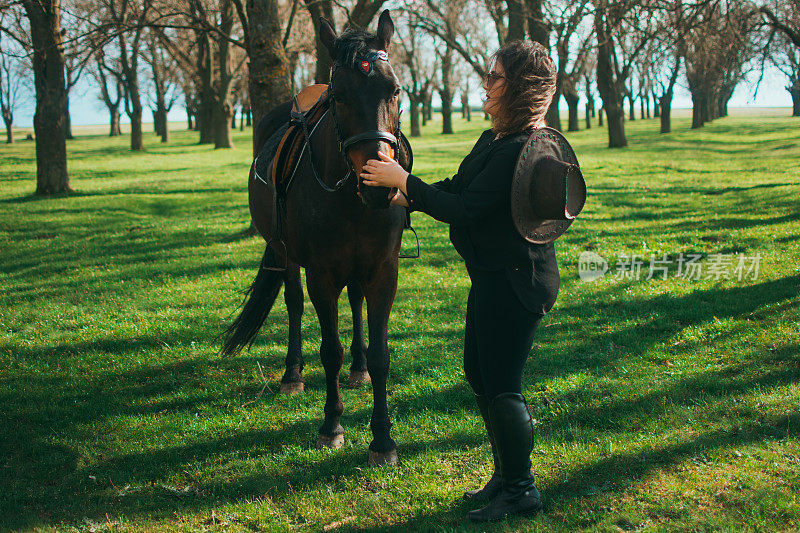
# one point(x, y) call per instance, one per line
point(514, 282)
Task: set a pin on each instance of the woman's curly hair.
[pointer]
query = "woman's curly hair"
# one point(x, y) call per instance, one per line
point(530, 76)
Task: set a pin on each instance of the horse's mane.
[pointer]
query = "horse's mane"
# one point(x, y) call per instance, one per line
point(351, 44)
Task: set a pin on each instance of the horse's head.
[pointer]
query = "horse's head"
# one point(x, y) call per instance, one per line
point(366, 98)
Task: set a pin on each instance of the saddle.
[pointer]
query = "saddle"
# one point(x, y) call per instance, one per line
point(308, 106)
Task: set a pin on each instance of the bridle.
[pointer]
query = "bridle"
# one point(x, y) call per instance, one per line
point(365, 64)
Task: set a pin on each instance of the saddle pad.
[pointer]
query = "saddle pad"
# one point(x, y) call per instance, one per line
point(267, 154)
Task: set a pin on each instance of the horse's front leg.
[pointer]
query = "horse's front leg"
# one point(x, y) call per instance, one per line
point(292, 380)
point(380, 291)
point(324, 294)
point(358, 348)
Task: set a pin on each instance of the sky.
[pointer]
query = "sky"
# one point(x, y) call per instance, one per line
point(87, 109)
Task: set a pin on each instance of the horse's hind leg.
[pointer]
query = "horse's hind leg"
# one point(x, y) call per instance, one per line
point(292, 380)
point(325, 295)
point(358, 348)
point(380, 292)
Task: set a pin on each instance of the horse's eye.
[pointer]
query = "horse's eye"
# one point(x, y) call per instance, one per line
point(397, 92)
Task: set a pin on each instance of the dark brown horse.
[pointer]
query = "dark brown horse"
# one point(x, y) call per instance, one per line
point(341, 232)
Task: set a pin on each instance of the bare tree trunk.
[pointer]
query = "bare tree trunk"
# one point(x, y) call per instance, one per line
point(447, 111)
point(423, 99)
point(588, 117)
point(607, 85)
point(205, 104)
point(632, 107)
point(600, 116)
point(446, 91)
point(67, 121)
point(642, 99)
point(572, 104)
point(539, 31)
point(414, 111)
point(553, 118)
point(656, 111)
point(516, 20)
point(222, 126)
point(164, 126)
point(223, 108)
point(589, 102)
point(317, 9)
point(794, 90)
point(269, 83)
point(114, 128)
point(137, 137)
point(51, 96)
point(666, 109)
point(8, 118)
point(427, 107)
point(698, 100)
point(133, 98)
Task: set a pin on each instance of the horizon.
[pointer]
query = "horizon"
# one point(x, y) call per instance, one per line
point(86, 108)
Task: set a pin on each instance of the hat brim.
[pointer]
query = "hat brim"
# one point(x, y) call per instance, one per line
point(543, 142)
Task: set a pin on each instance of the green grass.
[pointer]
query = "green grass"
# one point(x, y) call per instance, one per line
point(661, 404)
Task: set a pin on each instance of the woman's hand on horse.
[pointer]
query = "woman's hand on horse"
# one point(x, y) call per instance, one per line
point(385, 172)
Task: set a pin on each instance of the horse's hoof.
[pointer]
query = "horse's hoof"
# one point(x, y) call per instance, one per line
point(358, 378)
point(292, 388)
point(334, 443)
point(383, 459)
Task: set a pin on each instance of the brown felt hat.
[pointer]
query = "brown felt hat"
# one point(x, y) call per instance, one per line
point(548, 190)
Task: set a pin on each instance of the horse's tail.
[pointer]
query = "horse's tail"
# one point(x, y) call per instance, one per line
point(259, 299)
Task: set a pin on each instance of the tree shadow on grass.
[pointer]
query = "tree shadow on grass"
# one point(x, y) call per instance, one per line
point(657, 317)
point(53, 484)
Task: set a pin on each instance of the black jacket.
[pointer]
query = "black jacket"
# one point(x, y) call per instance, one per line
point(476, 203)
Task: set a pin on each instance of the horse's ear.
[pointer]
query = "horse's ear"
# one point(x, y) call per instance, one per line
point(385, 30)
point(328, 36)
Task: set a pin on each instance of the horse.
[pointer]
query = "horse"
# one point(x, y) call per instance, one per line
point(343, 233)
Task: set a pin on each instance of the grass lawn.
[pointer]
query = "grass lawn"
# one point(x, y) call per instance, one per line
point(661, 404)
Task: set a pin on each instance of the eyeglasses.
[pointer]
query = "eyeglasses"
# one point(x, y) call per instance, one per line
point(491, 78)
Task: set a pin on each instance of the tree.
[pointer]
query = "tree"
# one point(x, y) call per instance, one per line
point(566, 21)
point(622, 30)
point(78, 48)
point(111, 93)
point(11, 78)
point(164, 80)
point(784, 17)
point(127, 22)
point(416, 69)
point(717, 50)
point(44, 17)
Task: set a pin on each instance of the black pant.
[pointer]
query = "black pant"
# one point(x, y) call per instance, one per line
point(498, 334)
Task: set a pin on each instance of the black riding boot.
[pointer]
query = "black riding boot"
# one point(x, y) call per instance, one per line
point(513, 432)
point(492, 487)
